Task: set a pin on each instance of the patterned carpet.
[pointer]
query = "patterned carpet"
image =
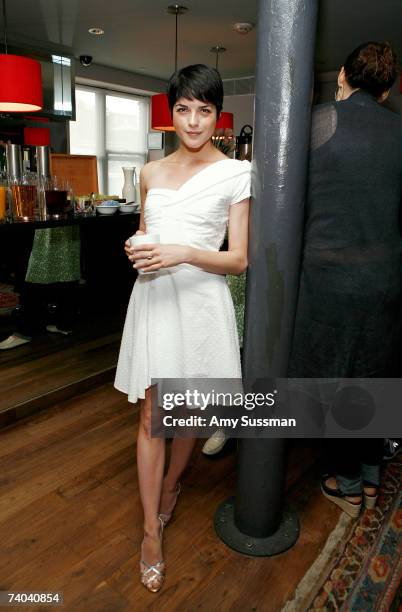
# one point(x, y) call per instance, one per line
point(360, 569)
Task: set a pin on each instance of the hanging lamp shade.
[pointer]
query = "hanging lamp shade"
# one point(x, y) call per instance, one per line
point(161, 118)
point(20, 84)
point(36, 136)
point(225, 121)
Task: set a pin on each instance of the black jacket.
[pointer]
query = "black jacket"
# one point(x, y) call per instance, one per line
point(348, 316)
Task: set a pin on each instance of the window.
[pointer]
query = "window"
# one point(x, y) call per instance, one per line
point(114, 127)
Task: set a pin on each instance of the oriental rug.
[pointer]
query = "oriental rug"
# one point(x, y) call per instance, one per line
point(360, 568)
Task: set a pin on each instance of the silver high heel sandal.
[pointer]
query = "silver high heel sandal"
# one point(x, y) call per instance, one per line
point(153, 576)
point(165, 518)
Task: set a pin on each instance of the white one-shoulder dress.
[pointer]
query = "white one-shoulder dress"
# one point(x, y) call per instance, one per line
point(180, 321)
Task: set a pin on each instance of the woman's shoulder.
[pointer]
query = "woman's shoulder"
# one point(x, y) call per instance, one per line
point(151, 169)
point(239, 165)
point(240, 162)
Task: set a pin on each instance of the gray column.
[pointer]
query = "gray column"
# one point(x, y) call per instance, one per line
point(253, 522)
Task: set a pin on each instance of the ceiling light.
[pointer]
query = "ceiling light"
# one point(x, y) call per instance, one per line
point(96, 31)
point(161, 118)
point(176, 9)
point(225, 120)
point(217, 49)
point(243, 27)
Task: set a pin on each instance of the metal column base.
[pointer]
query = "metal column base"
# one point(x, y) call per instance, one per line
point(284, 537)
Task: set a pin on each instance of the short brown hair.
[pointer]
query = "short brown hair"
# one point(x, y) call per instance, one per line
point(198, 82)
point(372, 67)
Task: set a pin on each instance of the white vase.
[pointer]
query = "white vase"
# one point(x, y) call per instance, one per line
point(130, 180)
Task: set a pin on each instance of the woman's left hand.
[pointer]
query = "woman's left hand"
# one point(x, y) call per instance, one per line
point(152, 257)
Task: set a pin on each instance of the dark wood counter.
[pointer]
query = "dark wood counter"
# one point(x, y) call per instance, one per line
point(128, 219)
point(108, 274)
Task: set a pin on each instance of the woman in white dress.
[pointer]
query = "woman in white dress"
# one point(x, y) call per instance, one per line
point(180, 321)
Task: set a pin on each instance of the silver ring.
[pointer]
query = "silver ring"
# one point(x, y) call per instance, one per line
point(149, 256)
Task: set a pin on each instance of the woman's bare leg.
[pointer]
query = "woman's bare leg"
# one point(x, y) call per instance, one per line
point(181, 451)
point(150, 463)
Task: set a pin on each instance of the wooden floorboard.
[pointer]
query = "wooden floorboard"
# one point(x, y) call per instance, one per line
point(90, 326)
point(71, 520)
point(26, 381)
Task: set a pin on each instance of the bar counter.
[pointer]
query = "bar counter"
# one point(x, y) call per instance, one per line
point(108, 274)
point(129, 219)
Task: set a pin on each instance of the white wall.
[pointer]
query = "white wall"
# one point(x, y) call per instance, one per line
point(117, 79)
point(242, 107)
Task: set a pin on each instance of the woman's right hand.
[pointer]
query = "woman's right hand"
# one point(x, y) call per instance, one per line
point(127, 246)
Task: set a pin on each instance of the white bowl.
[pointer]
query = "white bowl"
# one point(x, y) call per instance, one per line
point(106, 210)
point(128, 208)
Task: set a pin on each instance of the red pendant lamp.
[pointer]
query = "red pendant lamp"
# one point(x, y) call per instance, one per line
point(160, 113)
point(35, 136)
point(161, 118)
point(225, 121)
point(20, 80)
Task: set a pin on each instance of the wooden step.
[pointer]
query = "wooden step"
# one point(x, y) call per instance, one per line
point(40, 383)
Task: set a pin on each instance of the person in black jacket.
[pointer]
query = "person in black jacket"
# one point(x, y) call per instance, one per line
point(349, 308)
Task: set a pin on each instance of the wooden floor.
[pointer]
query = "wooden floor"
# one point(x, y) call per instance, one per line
point(70, 518)
point(26, 381)
point(52, 361)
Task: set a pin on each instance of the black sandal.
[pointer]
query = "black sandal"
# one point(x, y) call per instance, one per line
point(339, 498)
